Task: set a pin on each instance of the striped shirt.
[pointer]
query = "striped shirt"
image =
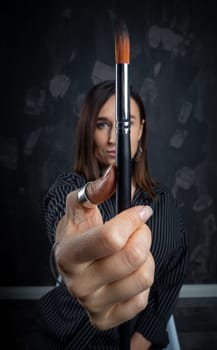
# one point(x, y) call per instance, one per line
point(64, 323)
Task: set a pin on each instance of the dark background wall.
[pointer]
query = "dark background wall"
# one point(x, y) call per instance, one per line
point(51, 55)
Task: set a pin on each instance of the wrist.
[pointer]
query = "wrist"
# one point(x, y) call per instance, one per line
point(139, 342)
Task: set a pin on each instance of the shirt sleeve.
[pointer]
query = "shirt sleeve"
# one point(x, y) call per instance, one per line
point(170, 250)
point(54, 202)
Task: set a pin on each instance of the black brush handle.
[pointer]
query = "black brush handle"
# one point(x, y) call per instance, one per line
point(123, 190)
point(123, 162)
point(124, 334)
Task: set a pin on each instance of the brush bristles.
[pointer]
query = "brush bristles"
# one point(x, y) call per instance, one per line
point(122, 47)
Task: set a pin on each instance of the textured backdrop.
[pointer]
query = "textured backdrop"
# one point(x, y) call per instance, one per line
point(51, 55)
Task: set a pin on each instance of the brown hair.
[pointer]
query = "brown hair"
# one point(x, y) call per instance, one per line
point(85, 161)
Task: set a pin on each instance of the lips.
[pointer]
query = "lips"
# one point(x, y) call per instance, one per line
point(111, 153)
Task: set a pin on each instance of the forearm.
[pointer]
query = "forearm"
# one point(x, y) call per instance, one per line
point(138, 342)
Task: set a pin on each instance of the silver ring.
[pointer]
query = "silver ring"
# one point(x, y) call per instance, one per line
point(83, 199)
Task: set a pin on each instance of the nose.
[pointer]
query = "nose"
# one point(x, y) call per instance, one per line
point(112, 134)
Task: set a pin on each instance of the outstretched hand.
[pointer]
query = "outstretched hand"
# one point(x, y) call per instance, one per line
point(108, 266)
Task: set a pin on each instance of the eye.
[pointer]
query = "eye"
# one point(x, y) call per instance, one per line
point(102, 124)
point(132, 120)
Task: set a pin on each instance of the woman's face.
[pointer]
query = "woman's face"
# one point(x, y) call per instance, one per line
point(105, 136)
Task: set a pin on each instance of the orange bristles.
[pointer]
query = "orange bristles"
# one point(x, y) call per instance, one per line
point(122, 45)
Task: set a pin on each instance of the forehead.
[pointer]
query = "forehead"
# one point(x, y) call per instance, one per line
point(108, 109)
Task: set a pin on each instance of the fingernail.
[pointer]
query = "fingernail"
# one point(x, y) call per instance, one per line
point(146, 212)
point(107, 172)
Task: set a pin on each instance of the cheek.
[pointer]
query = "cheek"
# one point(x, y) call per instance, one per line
point(98, 139)
point(100, 143)
point(134, 143)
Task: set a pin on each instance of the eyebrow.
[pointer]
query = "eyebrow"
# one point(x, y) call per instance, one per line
point(102, 118)
point(106, 118)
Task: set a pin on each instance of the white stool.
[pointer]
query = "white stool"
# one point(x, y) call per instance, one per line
point(173, 336)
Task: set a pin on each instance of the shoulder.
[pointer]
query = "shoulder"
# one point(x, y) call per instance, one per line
point(161, 189)
point(167, 225)
point(161, 192)
point(68, 181)
point(167, 211)
point(64, 184)
point(164, 196)
point(165, 206)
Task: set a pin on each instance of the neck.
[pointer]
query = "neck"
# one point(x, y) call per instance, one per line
point(133, 188)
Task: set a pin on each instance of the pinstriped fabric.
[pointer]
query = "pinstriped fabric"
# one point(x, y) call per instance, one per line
point(65, 320)
point(54, 201)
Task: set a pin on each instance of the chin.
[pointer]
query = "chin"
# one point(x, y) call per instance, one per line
point(105, 165)
point(112, 162)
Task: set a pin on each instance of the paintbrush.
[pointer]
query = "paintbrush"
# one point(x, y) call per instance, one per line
point(123, 150)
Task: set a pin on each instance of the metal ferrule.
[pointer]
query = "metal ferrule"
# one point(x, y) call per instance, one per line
point(122, 99)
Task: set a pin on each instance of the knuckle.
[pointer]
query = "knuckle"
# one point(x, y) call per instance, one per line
point(135, 255)
point(91, 188)
point(142, 300)
point(93, 191)
point(60, 261)
point(149, 278)
point(91, 300)
point(145, 275)
point(90, 304)
point(71, 288)
point(148, 271)
point(82, 296)
point(147, 236)
point(100, 320)
point(76, 288)
point(112, 240)
point(147, 231)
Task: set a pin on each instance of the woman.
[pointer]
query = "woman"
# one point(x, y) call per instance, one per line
point(113, 267)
